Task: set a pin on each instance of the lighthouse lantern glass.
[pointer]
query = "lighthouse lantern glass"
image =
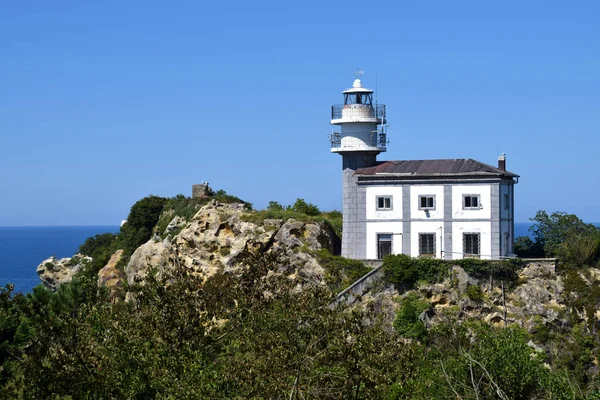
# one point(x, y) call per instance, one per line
point(358, 98)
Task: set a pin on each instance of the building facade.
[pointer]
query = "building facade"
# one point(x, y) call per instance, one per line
point(447, 209)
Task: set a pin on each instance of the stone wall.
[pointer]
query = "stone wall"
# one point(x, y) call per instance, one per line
point(200, 191)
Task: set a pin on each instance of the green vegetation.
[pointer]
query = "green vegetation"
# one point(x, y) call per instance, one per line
point(340, 272)
point(183, 337)
point(178, 206)
point(474, 293)
point(564, 236)
point(141, 221)
point(406, 271)
point(194, 339)
point(407, 322)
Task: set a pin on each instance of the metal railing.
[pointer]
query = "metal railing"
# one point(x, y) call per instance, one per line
point(376, 139)
point(357, 110)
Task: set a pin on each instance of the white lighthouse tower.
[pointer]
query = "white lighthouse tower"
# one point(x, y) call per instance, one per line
point(361, 137)
point(362, 126)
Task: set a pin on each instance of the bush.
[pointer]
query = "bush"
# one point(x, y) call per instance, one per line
point(474, 293)
point(406, 271)
point(505, 270)
point(178, 206)
point(95, 243)
point(340, 272)
point(526, 248)
point(142, 218)
point(274, 206)
point(302, 207)
point(403, 270)
point(407, 322)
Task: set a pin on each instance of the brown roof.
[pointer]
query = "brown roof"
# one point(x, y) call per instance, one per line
point(440, 168)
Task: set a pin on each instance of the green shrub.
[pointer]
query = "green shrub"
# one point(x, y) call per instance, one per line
point(527, 248)
point(505, 270)
point(142, 218)
point(407, 322)
point(94, 243)
point(401, 269)
point(274, 206)
point(302, 207)
point(340, 272)
point(179, 206)
point(474, 293)
point(335, 220)
point(224, 251)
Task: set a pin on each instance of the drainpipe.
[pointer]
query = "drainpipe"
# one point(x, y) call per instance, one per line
point(441, 229)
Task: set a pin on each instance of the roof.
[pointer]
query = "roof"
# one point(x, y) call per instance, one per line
point(357, 90)
point(463, 167)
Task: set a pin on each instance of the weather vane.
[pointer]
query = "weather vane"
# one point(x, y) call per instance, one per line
point(358, 73)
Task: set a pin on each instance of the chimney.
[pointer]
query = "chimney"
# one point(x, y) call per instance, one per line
point(502, 162)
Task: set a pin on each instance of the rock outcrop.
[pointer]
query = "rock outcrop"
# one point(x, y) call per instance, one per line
point(54, 272)
point(110, 276)
point(537, 298)
point(220, 237)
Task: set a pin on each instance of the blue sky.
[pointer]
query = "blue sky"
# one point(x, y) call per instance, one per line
point(105, 102)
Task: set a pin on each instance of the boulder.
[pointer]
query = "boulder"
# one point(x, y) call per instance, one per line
point(54, 272)
point(464, 280)
point(539, 269)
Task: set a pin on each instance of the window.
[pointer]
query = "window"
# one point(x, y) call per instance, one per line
point(384, 245)
point(384, 202)
point(427, 244)
point(506, 203)
point(427, 202)
point(471, 245)
point(471, 202)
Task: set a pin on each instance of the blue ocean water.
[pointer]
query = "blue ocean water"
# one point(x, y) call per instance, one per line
point(22, 249)
point(522, 229)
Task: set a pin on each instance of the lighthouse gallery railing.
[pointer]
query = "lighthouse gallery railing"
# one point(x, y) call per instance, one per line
point(349, 110)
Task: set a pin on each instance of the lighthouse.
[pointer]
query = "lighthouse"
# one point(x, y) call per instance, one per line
point(446, 209)
point(361, 137)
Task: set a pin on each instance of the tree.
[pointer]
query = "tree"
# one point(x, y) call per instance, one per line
point(142, 218)
point(274, 206)
point(526, 248)
point(301, 206)
point(566, 236)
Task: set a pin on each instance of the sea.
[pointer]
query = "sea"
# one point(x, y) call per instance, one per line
point(22, 249)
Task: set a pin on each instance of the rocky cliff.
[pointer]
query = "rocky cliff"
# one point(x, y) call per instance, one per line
point(219, 237)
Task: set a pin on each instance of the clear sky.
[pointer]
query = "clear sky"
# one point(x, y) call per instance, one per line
point(105, 102)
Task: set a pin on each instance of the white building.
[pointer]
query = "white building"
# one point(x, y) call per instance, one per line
point(446, 209)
